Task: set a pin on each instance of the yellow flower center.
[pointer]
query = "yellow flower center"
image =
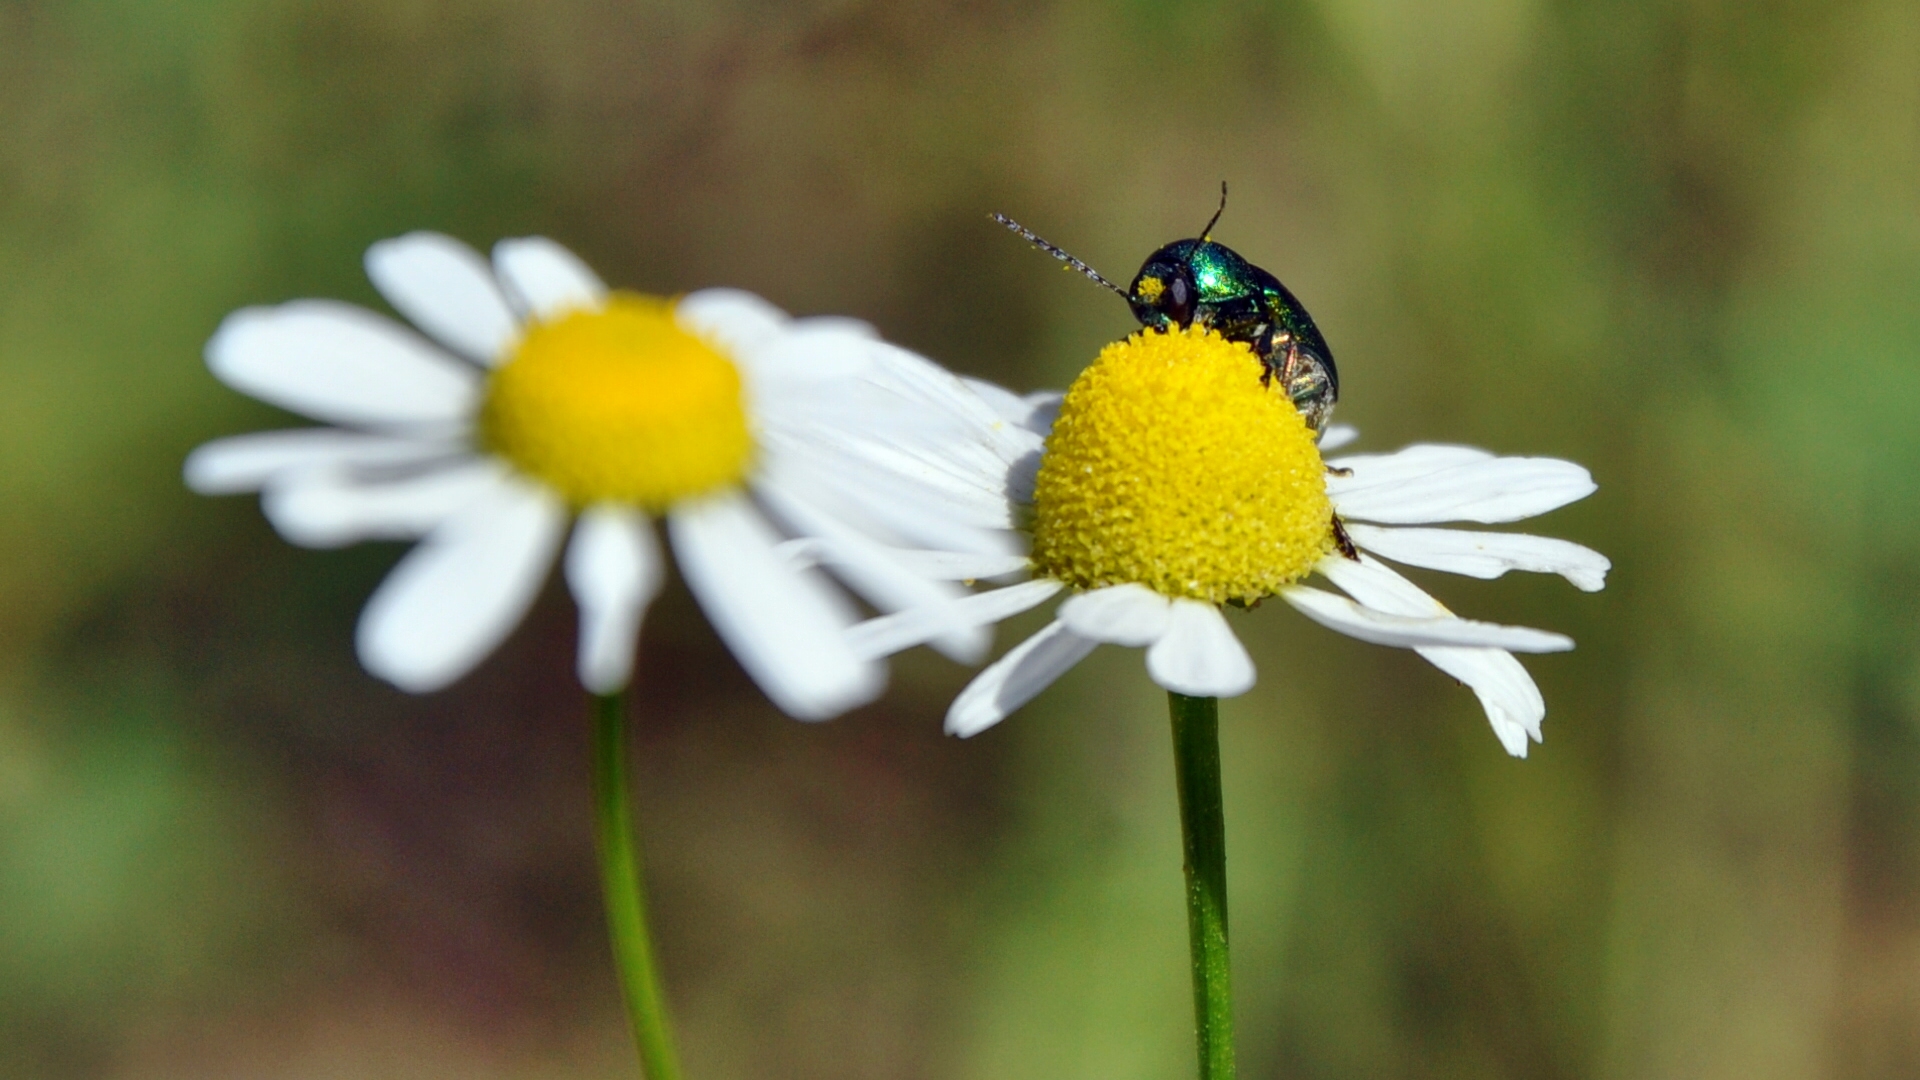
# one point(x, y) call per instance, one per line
point(1172, 467)
point(621, 404)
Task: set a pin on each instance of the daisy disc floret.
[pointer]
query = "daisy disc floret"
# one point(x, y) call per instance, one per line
point(538, 417)
point(620, 403)
point(1173, 466)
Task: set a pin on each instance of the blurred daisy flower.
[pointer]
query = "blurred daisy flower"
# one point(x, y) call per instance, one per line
point(1169, 482)
point(539, 402)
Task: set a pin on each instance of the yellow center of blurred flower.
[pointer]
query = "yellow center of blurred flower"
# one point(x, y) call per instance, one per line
point(620, 404)
point(1172, 467)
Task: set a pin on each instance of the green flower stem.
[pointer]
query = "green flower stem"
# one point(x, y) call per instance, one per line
point(620, 886)
point(1203, 832)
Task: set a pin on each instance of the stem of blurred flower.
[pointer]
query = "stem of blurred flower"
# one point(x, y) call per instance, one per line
point(625, 900)
point(1203, 832)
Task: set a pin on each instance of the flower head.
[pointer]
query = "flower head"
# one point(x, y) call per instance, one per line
point(545, 405)
point(619, 404)
point(1174, 481)
point(1171, 466)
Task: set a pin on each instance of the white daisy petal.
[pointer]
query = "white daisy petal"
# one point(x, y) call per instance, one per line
point(1131, 615)
point(1507, 693)
point(445, 288)
point(241, 463)
point(1491, 490)
point(1337, 436)
point(457, 595)
point(783, 625)
point(1370, 582)
point(1046, 409)
point(332, 507)
point(613, 568)
point(822, 356)
point(871, 570)
point(901, 630)
point(1199, 655)
point(960, 565)
point(952, 489)
point(1016, 678)
point(869, 393)
point(808, 353)
point(1406, 463)
point(845, 324)
point(836, 327)
point(1380, 628)
point(337, 362)
point(543, 279)
point(881, 391)
point(1009, 405)
point(884, 506)
point(935, 565)
point(1035, 411)
point(926, 383)
point(1484, 554)
point(735, 319)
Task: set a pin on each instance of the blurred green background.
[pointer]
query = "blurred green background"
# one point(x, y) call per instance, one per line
point(1677, 241)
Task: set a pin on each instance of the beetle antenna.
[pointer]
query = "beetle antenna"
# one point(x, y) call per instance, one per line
point(1215, 219)
point(1073, 263)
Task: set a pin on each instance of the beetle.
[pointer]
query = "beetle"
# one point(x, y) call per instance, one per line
point(1200, 281)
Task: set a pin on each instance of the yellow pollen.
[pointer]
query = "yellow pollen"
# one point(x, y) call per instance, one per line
point(1172, 467)
point(1151, 288)
point(619, 404)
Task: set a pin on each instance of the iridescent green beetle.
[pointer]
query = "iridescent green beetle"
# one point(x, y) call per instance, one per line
point(1197, 280)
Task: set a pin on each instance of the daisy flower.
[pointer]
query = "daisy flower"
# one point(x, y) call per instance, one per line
point(537, 415)
point(1173, 484)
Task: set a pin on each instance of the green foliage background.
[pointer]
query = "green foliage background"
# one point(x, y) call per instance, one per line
point(1675, 240)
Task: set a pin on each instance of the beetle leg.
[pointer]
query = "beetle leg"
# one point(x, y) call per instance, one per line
point(1344, 542)
point(1305, 378)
